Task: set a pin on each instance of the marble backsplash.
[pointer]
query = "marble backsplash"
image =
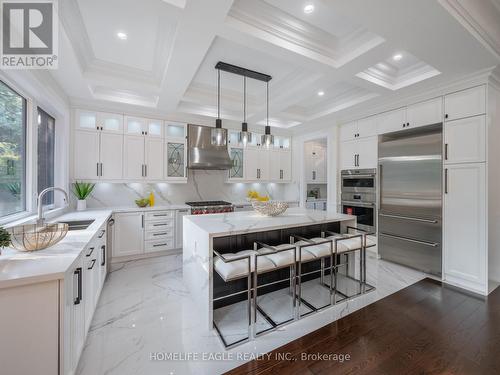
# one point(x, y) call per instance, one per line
point(201, 185)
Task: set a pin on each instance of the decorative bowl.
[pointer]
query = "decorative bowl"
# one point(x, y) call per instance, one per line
point(32, 237)
point(144, 202)
point(270, 208)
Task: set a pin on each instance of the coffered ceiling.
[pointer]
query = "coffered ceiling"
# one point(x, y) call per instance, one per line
point(158, 56)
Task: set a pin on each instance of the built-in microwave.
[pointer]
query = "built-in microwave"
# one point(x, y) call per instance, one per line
point(358, 180)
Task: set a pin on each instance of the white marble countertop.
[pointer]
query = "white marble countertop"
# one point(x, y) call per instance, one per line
point(217, 225)
point(20, 268)
point(247, 203)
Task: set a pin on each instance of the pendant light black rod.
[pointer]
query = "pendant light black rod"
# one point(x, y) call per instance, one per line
point(267, 103)
point(244, 99)
point(218, 93)
point(243, 71)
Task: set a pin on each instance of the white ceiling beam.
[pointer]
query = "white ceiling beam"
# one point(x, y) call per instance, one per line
point(196, 31)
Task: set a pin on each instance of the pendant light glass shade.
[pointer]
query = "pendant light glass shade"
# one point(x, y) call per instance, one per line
point(218, 134)
point(244, 136)
point(267, 138)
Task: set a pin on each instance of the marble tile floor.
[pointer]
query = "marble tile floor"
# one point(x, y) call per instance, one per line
point(145, 322)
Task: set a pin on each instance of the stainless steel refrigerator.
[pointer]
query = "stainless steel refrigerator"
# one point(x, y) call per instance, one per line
point(410, 219)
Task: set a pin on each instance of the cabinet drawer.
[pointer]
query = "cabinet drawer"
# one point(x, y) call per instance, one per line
point(159, 245)
point(160, 234)
point(159, 215)
point(157, 226)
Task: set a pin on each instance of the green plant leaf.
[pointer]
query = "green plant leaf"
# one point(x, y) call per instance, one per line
point(83, 189)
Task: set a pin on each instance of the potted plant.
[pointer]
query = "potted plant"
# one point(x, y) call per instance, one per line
point(82, 190)
point(4, 239)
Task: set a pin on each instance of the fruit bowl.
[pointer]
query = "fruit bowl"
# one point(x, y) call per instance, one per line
point(144, 202)
point(269, 208)
point(32, 237)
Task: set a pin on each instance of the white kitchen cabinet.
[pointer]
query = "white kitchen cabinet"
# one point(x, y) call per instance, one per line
point(425, 113)
point(99, 121)
point(86, 155)
point(465, 103)
point(280, 162)
point(111, 156)
point(29, 326)
point(90, 282)
point(391, 121)
point(285, 160)
point(133, 158)
point(315, 162)
point(367, 152)
point(359, 153)
point(153, 159)
point(257, 164)
point(175, 160)
point(98, 155)
point(74, 315)
point(348, 154)
point(348, 131)
point(128, 234)
point(464, 226)
point(143, 126)
point(366, 127)
point(237, 170)
point(465, 140)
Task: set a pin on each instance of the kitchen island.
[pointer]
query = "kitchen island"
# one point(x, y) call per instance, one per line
point(205, 236)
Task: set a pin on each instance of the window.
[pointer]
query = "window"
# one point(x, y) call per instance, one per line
point(46, 145)
point(12, 151)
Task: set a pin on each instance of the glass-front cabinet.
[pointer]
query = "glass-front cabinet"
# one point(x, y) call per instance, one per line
point(236, 172)
point(175, 151)
point(99, 121)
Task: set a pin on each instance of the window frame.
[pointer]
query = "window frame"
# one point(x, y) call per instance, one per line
point(26, 151)
point(36, 165)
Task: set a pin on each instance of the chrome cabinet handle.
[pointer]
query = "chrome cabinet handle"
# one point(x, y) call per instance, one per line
point(431, 244)
point(160, 244)
point(409, 218)
point(446, 151)
point(97, 171)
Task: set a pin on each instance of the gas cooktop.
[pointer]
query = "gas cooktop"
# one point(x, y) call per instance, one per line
point(210, 207)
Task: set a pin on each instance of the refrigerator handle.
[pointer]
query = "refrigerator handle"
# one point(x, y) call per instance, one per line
point(380, 184)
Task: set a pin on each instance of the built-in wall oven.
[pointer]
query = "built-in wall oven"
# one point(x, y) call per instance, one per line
point(359, 196)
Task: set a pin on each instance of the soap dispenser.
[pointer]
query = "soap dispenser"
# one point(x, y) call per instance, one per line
point(151, 199)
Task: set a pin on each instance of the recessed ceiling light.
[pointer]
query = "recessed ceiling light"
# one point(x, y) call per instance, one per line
point(121, 35)
point(397, 57)
point(309, 8)
point(321, 93)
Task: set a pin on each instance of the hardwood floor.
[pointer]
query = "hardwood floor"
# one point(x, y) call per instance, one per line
point(423, 329)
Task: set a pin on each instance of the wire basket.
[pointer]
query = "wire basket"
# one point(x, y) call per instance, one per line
point(32, 237)
point(270, 208)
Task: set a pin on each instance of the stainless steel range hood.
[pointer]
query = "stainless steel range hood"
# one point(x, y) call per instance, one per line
point(202, 154)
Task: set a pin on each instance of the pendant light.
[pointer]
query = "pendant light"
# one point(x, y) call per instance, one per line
point(219, 135)
point(267, 138)
point(244, 136)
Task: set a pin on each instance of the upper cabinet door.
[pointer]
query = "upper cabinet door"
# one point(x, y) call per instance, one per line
point(391, 121)
point(236, 171)
point(133, 157)
point(110, 122)
point(274, 173)
point(85, 120)
point(175, 130)
point(135, 126)
point(154, 128)
point(367, 127)
point(466, 103)
point(175, 160)
point(154, 159)
point(425, 113)
point(86, 155)
point(465, 140)
point(286, 165)
point(251, 164)
point(348, 154)
point(111, 156)
point(368, 153)
point(348, 131)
